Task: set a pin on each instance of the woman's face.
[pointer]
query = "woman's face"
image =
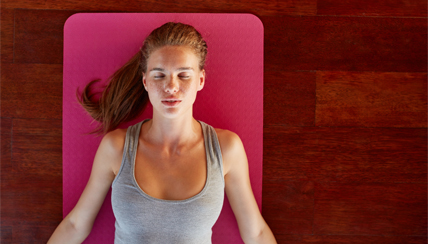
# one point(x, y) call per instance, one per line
point(172, 80)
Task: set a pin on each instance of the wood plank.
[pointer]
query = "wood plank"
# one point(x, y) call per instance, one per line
point(6, 142)
point(31, 91)
point(289, 98)
point(345, 44)
point(7, 22)
point(46, 127)
point(6, 126)
point(28, 231)
point(31, 199)
point(288, 206)
point(32, 192)
point(35, 232)
point(354, 239)
point(6, 167)
point(372, 99)
point(289, 7)
point(39, 35)
point(6, 234)
point(37, 146)
point(399, 154)
point(345, 154)
point(370, 209)
point(413, 8)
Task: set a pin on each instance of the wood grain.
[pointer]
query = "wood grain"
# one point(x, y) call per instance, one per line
point(371, 99)
point(345, 44)
point(289, 7)
point(352, 239)
point(370, 209)
point(6, 142)
point(32, 233)
point(39, 35)
point(34, 206)
point(345, 154)
point(413, 8)
point(289, 98)
point(7, 22)
point(37, 146)
point(31, 187)
point(288, 206)
point(31, 91)
point(6, 168)
point(6, 234)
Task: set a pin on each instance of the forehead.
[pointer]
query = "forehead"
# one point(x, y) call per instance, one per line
point(173, 57)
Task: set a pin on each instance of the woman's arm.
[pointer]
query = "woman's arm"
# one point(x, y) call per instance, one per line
point(78, 224)
point(252, 226)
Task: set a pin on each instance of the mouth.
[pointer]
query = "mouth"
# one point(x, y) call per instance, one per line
point(171, 102)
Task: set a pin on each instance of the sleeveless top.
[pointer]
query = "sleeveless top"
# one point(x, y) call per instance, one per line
point(141, 218)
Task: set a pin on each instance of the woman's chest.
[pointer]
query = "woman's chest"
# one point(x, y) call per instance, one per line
point(171, 176)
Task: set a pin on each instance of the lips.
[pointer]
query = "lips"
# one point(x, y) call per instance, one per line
point(171, 102)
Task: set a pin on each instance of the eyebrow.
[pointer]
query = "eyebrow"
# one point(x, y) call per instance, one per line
point(179, 69)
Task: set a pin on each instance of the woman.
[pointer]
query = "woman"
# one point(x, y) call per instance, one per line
point(167, 174)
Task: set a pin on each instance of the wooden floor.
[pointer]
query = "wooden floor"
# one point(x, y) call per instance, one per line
point(345, 115)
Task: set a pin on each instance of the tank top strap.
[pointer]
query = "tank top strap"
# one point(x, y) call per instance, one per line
point(132, 136)
point(212, 147)
point(129, 148)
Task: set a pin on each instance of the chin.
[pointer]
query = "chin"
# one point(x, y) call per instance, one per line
point(173, 113)
point(170, 113)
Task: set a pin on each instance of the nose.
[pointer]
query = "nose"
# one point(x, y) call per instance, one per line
point(171, 85)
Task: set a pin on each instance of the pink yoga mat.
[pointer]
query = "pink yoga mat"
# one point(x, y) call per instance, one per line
point(96, 44)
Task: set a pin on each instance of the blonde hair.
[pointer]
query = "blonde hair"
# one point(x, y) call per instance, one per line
point(125, 98)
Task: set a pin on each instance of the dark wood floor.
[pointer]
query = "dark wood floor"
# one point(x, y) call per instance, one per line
point(345, 101)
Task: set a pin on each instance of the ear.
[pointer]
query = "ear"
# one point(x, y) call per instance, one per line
point(201, 80)
point(144, 81)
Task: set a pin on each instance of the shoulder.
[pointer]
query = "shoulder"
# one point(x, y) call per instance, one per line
point(232, 150)
point(111, 148)
point(114, 140)
point(228, 140)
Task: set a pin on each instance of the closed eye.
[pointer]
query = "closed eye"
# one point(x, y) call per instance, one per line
point(184, 75)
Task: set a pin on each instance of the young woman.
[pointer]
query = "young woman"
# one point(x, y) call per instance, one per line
point(168, 174)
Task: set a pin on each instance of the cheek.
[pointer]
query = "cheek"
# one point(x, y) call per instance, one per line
point(184, 88)
point(153, 92)
point(191, 90)
point(153, 87)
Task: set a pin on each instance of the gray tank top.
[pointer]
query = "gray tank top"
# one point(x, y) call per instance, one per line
point(141, 218)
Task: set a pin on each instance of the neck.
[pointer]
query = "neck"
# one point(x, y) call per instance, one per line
point(172, 133)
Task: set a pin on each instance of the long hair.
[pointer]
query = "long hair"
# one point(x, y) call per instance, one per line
point(125, 98)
